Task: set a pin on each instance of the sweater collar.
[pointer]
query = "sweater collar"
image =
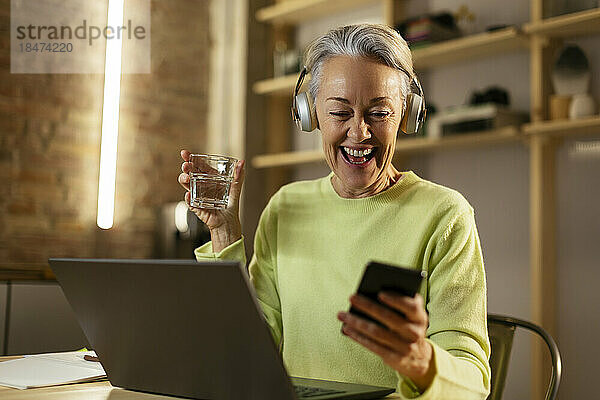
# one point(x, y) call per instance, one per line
point(407, 179)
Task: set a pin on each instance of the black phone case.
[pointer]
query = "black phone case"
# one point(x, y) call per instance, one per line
point(384, 277)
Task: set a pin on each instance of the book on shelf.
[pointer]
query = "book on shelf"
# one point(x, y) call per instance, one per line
point(427, 29)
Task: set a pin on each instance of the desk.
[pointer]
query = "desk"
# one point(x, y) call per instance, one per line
point(85, 391)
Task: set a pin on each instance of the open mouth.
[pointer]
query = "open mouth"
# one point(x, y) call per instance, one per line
point(358, 157)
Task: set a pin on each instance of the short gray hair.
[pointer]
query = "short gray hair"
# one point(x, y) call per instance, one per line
point(372, 41)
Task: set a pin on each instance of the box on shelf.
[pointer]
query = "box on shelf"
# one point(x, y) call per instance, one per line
point(473, 118)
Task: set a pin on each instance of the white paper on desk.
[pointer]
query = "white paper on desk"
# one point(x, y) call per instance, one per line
point(49, 370)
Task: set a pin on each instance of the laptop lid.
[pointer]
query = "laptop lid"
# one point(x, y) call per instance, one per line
point(149, 324)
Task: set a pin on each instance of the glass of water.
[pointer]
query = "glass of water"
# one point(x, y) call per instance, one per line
point(210, 180)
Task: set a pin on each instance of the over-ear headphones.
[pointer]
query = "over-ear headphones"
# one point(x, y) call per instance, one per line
point(304, 114)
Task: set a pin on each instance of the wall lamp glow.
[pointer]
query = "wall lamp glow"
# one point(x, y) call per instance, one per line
point(110, 118)
point(181, 213)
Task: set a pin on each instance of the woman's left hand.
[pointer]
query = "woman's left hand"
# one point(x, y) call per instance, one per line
point(401, 341)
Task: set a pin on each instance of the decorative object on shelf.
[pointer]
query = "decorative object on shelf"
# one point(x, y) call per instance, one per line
point(571, 77)
point(465, 20)
point(554, 8)
point(473, 118)
point(559, 106)
point(571, 72)
point(285, 61)
point(582, 105)
point(426, 29)
point(492, 94)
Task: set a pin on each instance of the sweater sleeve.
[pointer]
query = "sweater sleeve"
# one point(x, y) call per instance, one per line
point(235, 251)
point(262, 268)
point(456, 303)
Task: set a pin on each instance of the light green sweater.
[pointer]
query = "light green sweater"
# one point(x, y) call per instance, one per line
point(310, 250)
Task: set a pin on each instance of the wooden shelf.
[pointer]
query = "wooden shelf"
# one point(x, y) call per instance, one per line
point(283, 85)
point(287, 159)
point(569, 25)
point(575, 127)
point(466, 140)
point(415, 145)
point(469, 47)
point(295, 11)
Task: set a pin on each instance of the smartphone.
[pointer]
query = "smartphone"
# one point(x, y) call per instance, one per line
point(385, 277)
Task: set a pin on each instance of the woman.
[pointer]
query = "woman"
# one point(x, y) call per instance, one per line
point(315, 237)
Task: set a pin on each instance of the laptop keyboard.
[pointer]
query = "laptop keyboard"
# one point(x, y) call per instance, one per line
point(308, 391)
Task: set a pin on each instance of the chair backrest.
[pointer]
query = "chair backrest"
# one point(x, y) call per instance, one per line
point(501, 330)
point(501, 339)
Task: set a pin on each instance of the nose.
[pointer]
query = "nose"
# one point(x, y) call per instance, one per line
point(359, 130)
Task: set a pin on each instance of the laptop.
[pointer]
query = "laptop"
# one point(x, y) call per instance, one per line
point(185, 328)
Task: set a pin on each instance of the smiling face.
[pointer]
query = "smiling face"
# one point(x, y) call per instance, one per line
point(359, 109)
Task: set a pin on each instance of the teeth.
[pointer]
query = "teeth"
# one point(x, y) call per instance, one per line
point(358, 153)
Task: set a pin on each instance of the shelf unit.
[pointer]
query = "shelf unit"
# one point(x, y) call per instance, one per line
point(539, 37)
point(452, 51)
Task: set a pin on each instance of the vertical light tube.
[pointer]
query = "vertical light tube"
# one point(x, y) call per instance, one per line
point(110, 118)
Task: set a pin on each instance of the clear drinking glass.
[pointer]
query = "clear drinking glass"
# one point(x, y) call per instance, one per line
point(210, 180)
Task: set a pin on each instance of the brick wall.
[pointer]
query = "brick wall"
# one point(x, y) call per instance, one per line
point(50, 146)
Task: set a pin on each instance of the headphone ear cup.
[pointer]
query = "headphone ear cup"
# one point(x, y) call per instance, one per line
point(411, 119)
point(306, 112)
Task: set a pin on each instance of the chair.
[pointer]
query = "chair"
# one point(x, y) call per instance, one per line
point(501, 331)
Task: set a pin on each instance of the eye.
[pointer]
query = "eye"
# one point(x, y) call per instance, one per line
point(380, 114)
point(340, 114)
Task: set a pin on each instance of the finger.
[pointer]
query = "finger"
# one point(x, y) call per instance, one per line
point(185, 155)
point(374, 332)
point(186, 167)
point(238, 180)
point(184, 180)
point(409, 331)
point(382, 314)
point(381, 350)
point(389, 356)
point(412, 307)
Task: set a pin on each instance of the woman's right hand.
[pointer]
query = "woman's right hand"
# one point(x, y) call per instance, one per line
point(224, 225)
